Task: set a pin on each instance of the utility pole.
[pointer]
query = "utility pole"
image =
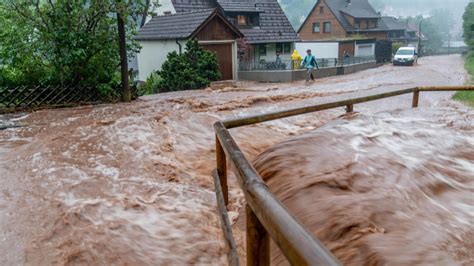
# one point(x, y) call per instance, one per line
point(419, 38)
point(126, 94)
point(449, 43)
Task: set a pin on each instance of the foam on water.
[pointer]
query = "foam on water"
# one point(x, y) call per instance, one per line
point(383, 189)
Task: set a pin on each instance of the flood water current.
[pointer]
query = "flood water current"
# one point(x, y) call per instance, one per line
point(130, 183)
point(395, 188)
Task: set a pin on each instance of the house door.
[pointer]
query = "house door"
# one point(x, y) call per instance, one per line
point(224, 58)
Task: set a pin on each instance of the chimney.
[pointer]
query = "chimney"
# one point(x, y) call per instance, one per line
point(166, 13)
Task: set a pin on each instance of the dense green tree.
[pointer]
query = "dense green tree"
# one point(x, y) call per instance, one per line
point(430, 30)
point(71, 42)
point(468, 25)
point(196, 68)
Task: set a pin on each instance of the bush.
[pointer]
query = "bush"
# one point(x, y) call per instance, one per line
point(396, 46)
point(151, 85)
point(467, 96)
point(196, 68)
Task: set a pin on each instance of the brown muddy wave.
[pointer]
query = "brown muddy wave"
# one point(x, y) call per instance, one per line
point(389, 189)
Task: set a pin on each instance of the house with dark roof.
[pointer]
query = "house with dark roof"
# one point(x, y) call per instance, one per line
point(342, 20)
point(263, 23)
point(167, 33)
point(351, 27)
point(399, 31)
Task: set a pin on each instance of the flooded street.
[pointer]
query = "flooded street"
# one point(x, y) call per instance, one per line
point(130, 184)
point(393, 188)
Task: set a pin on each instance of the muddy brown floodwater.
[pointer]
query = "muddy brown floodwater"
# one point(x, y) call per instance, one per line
point(130, 184)
point(389, 189)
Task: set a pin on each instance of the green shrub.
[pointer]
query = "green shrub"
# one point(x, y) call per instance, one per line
point(151, 85)
point(396, 46)
point(194, 69)
point(467, 96)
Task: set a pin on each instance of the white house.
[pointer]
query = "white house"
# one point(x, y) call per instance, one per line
point(168, 33)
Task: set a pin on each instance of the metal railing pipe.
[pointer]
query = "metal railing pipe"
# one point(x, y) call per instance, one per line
point(446, 88)
point(296, 243)
point(233, 257)
point(250, 120)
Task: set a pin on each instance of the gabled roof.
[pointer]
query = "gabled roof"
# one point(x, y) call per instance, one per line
point(393, 23)
point(359, 13)
point(180, 25)
point(274, 25)
point(238, 6)
point(193, 5)
point(353, 8)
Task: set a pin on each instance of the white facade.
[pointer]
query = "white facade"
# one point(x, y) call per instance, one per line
point(154, 53)
point(270, 55)
point(165, 6)
point(152, 56)
point(319, 49)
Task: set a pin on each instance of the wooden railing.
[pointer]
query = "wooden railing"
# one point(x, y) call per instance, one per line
point(266, 215)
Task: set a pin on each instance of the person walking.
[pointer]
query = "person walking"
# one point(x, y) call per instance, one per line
point(309, 63)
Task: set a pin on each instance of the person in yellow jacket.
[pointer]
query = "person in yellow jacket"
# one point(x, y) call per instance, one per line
point(296, 58)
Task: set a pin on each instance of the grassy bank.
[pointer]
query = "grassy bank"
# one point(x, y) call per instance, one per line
point(467, 96)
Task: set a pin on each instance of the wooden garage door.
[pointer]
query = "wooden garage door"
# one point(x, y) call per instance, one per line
point(224, 58)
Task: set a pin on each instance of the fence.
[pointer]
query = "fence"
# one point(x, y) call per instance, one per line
point(296, 64)
point(28, 97)
point(266, 215)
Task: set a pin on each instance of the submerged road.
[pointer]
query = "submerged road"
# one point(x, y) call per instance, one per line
point(130, 183)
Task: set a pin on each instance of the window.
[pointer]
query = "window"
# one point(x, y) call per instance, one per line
point(287, 48)
point(321, 10)
point(242, 20)
point(283, 48)
point(279, 48)
point(316, 27)
point(262, 50)
point(357, 24)
point(327, 27)
point(246, 20)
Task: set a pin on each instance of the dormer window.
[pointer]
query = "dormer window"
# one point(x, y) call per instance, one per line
point(246, 20)
point(242, 20)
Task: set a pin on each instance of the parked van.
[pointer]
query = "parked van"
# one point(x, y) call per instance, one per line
point(405, 56)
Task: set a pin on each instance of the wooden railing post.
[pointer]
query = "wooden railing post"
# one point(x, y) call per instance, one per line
point(416, 98)
point(258, 241)
point(350, 108)
point(222, 170)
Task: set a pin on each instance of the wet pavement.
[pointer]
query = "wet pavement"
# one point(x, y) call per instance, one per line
point(130, 183)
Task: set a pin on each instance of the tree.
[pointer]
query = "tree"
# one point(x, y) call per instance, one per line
point(64, 42)
point(429, 30)
point(243, 49)
point(468, 25)
point(196, 68)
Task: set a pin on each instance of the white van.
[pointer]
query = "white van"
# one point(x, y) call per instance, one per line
point(405, 56)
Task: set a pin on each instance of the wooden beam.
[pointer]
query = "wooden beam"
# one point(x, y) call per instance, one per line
point(258, 241)
point(416, 98)
point(222, 170)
